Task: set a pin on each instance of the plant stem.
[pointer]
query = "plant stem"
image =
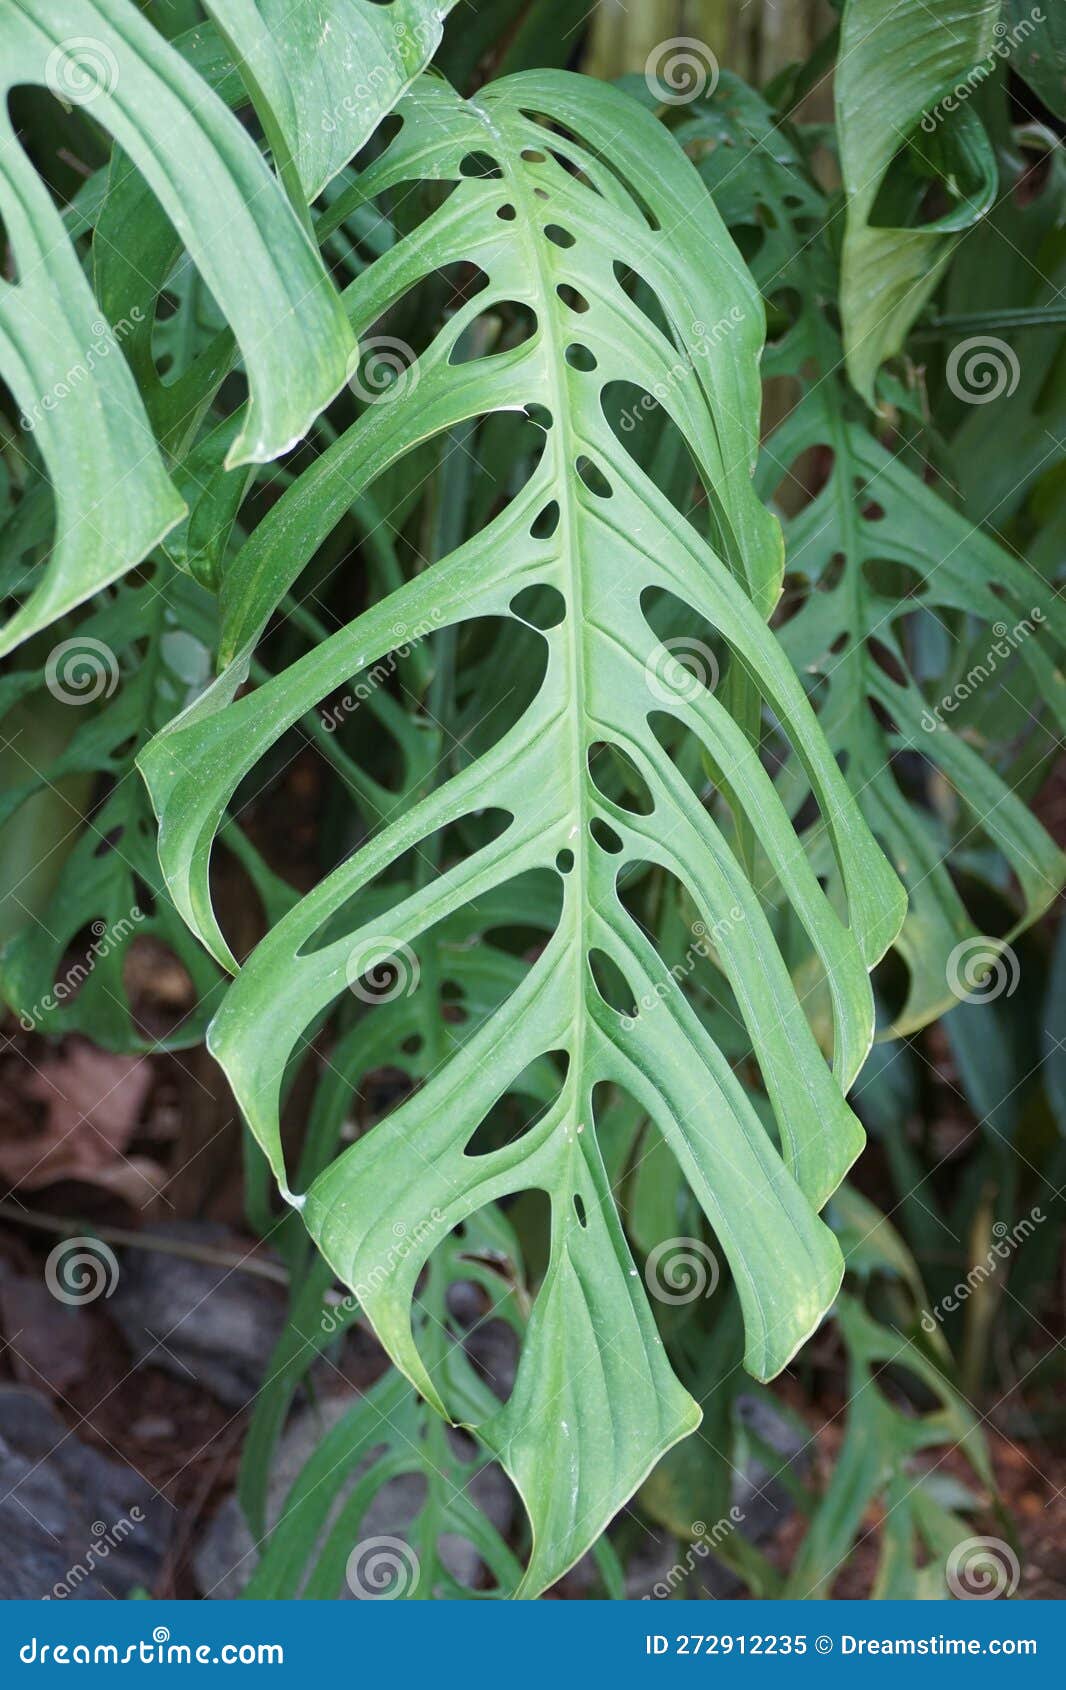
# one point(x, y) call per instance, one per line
point(1037, 317)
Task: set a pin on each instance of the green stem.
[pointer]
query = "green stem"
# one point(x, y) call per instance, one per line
point(1036, 317)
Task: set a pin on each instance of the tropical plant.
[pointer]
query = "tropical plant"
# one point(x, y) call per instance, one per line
point(421, 437)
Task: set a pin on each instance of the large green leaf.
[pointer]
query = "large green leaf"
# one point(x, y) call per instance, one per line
point(900, 64)
point(128, 668)
point(324, 74)
point(389, 1436)
point(901, 614)
point(880, 1461)
point(556, 218)
point(58, 352)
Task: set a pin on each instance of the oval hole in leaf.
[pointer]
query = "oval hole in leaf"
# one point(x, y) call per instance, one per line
point(541, 606)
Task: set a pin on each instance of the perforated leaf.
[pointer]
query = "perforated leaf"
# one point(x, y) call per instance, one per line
point(900, 64)
point(324, 74)
point(913, 627)
point(558, 218)
point(59, 354)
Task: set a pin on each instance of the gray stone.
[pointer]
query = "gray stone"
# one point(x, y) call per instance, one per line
point(74, 1523)
point(226, 1555)
point(209, 1325)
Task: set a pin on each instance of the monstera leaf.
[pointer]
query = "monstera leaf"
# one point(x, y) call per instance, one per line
point(61, 356)
point(559, 193)
point(101, 692)
point(129, 667)
point(897, 732)
point(324, 75)
point(880, 565)
point(896, 83)
point(879, 1462)
point(435, 1491)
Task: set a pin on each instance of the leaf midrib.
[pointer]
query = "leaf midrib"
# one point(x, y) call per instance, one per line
point(564, 445)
